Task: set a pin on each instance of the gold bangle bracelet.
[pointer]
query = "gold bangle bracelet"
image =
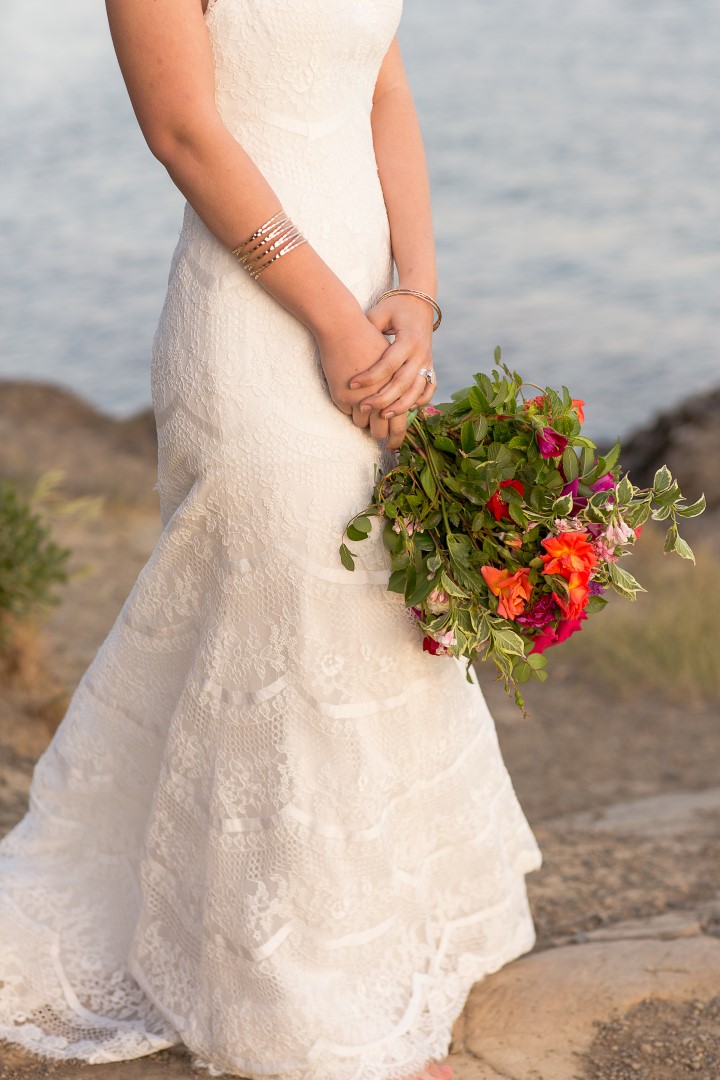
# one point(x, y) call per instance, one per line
point(415, 292)
point(275, 237)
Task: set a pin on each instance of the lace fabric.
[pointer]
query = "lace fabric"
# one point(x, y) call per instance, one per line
point(269, 826)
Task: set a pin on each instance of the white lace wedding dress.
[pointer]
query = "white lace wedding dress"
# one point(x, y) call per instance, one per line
point(269, 826)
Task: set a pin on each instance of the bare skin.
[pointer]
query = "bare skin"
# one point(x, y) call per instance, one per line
point(165, 57)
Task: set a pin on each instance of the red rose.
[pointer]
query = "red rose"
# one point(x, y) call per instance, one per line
point(497, 505)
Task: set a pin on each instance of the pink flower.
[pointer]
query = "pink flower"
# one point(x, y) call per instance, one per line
point(603, 552)
point(550, 442)
point(438, 601)
point(407, 523)
point(439, 646)
point(619, 533)
point(430, 410)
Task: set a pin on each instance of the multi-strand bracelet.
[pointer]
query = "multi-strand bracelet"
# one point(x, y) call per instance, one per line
point(415, 292)
point(276, 237)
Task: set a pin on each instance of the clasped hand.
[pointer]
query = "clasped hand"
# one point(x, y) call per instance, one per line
point(375, 382)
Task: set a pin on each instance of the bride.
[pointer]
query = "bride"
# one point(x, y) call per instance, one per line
point(270, 827)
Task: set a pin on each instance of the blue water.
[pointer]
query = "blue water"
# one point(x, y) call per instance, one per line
point(574, 152)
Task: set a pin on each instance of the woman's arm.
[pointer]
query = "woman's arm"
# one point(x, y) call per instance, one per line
point(403, 173)
point(164, 53)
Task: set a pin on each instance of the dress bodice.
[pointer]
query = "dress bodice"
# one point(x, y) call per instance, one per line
point(294, 84)
point(299, 64)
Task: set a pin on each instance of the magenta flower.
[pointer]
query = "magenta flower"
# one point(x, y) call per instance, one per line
point(604, 483)
point(542, 612)
point(550, 442)
point(553, 635)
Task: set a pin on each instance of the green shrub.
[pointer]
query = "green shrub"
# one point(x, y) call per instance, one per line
point(31, 563)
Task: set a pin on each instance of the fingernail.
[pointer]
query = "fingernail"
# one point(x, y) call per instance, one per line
point(354, 385)
point(387, 415)
point(365, 408)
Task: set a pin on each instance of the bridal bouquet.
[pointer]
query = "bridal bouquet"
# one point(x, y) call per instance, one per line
point(506, 527)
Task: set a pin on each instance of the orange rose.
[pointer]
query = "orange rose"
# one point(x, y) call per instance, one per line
point(567, 553)
point(578, 406)
point(579, 593)
point(513, 590)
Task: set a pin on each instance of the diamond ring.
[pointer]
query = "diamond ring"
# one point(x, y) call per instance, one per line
point(427, 373)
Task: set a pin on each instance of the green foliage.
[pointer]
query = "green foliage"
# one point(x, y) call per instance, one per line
point(31, 563)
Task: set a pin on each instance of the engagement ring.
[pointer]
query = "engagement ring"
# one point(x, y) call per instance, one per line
point(428, 373)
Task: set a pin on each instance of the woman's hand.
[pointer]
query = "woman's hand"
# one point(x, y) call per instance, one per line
point(410, 319)
point(353, 346)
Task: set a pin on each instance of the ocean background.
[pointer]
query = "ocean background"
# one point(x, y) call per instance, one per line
point(574, 152)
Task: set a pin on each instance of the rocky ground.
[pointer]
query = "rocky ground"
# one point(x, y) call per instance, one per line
point(619, 783)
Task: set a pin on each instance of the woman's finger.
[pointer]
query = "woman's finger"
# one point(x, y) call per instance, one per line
point(396, 431)
point(403, 382)
point(427, 393)
point(385, 367)
point(378, 426)
point(360, 419)
point(407, 400)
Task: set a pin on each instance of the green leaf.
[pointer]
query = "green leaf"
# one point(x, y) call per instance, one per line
point(623, 582)
point(663, 480)
point(625, 490)
point(588, 459)
point(670, 496)
point(562, 506)
point(497, 354)
point(424, 586)
point(359, 529)
point(480, 428)
point(390, 510)
point(516, 513)
point(670, 537)
point(595, 603)
point(467, 438)
point(522, 672)
point(537, 661)
point(611, 458)
point(451, 588)
point(674, 542)
point(477, 400)
point(428, 482)
point(662, 513)
point(683, 549)
point(442, 442)
point(397, 581)
point(570, 464)
point(693, 509)
point(346, 557)
point(508, 641)
point(393, 541)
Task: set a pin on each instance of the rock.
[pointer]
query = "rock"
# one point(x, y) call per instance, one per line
point(669, 814)
point(533, 1018)
point(45, 427)
point(687, 440)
